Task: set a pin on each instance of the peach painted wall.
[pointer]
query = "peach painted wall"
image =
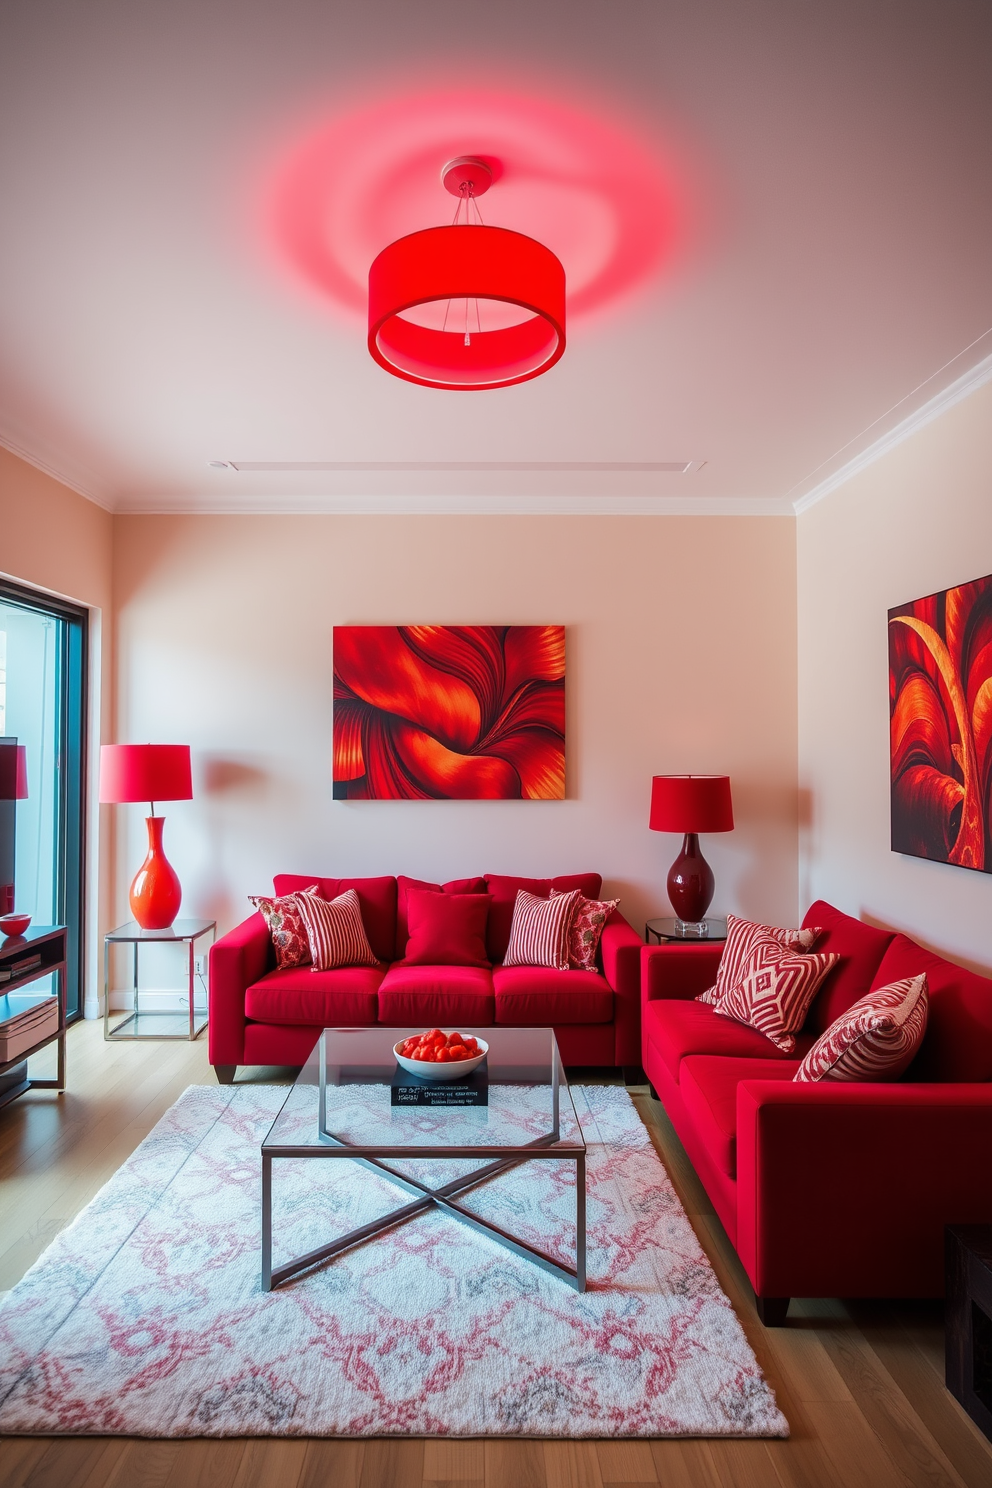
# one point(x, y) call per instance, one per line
point(56, 540)
point(918, 520)
point(681, 655)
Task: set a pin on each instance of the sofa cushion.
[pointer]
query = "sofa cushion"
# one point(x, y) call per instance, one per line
point(742, 936)
point(335, 931)
point(404, 886)
point(678, 1028)
point(860, 947)
point(446, 929)
point(539, 932)
point(286, 927)
point(445, 996)
point(774, 989)
point(876, 1039)
point(958, 1041)
point(503, 891)
point(376, 898)
point(302, 995)
point(539, 996)
point(586, 930)
point(709, 1092)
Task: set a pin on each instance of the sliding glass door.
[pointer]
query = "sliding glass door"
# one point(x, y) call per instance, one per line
point(43, 707)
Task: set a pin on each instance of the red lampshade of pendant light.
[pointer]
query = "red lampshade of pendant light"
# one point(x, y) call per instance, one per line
point(149, 772)
point(473, 263)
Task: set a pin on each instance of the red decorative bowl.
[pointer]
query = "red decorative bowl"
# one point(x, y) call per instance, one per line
point(14, 924)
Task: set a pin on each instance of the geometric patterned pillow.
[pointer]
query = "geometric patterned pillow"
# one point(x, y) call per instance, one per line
point(740, 936)
point(588, 920)
point(289, 936)
point(774, 989)
point(335, 931)
point(876, 1039)
point(539, 930)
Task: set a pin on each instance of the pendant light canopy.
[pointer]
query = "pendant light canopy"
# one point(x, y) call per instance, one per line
point(466, 306)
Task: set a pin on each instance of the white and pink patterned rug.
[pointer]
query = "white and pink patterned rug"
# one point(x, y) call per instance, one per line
point(146, 1316)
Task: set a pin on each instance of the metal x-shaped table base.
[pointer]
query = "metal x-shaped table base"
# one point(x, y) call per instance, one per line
point(440, 1198)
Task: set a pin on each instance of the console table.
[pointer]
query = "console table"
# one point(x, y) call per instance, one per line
point(49, 943)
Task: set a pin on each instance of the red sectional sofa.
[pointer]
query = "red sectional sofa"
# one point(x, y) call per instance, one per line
point(260, 1015)
point(829, 1189)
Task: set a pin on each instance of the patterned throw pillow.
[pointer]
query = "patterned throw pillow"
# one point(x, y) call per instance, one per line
point(740, 934)
point(774, 989)
point(539, 932)
point(335, 931)
point(289, 934)
point(876, 1039)
point(588, 919)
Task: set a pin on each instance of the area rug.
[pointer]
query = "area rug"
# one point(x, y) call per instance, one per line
point(146, 1316)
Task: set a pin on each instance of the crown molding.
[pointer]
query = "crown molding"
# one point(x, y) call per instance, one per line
point(464, 505)
point(962, 387)
point(13, 448)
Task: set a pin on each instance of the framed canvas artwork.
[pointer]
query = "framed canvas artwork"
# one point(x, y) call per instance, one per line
point(449, 712)
point(940, 709)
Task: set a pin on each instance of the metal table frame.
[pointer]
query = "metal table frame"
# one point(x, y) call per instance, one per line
point(132, 934)
point(425, 1197)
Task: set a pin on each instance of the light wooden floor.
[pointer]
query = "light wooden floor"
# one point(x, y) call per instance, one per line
point(861, 1385)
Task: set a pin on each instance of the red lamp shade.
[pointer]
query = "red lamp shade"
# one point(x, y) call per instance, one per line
point(145, 772)
point(691, 803)
point(149, 772)
point(469, 263)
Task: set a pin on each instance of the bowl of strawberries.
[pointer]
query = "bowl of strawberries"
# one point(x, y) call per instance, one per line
point(436, 1055)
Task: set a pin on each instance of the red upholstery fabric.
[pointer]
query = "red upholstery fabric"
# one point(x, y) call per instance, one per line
point(504, 895)
point(538, 997)
point(620, 955)
point(376, 896)
point(708, 1087)
point(586, 1044)
point(681, 971)
point(403, 887)
point(720, 1188)
point(278, 1043)
point(419, 996)
point(844, 1190)
point(861, 948)
point(676, 1028)
point(446, 929)
point(236, 960)
point(958, 1042)
point(300, 995)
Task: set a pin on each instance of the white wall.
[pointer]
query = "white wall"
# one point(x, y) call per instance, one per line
point(680, 657)
point(917, 521)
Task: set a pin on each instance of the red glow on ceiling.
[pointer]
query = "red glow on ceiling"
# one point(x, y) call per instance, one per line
point(606, 204)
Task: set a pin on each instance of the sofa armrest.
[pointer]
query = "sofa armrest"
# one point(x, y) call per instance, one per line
point(620, 946)
point(844, 1189)
point(675, 970)
point(236, 960)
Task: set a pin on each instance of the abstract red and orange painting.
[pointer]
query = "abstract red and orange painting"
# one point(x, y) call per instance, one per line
point(449, 712)
point(940, 707)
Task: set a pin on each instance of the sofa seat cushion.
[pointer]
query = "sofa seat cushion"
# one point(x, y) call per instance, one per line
point(957, 1045)
point(301, 995)
point(860, 947)
point(677, 1028)
point(540, 997)
point(424, 996)
point(709, 1092)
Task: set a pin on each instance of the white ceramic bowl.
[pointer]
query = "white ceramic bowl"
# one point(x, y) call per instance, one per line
point(427, 1070)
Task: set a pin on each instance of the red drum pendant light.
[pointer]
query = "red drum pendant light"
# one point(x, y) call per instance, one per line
point(467, 306)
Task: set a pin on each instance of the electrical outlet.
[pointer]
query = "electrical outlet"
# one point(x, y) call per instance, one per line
point(201, 965)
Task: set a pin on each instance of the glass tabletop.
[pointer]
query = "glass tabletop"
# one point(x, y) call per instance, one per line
point(346, 1093)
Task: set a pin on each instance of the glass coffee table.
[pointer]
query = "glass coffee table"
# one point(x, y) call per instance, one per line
point(341, 1106)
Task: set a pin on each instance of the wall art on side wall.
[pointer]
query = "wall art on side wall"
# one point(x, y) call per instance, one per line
point(940, 707)
point(449, 712)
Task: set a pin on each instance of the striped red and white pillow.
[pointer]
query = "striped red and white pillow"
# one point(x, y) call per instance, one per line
point(876, 1039)
point(539, 932)
point(335, 931)
point(774, 989)
point(740, 935)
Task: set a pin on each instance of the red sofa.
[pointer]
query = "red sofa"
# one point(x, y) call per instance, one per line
point(828, 1189)
point(259, 1015)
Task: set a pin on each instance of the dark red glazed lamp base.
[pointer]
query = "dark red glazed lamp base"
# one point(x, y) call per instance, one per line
point(690, 882)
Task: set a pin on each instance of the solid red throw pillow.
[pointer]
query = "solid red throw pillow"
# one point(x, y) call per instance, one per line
point(539, 931)
point(405, 886)
point(335, 931)
point(876, 1039)
point(446, 929)
point(774, 989)
point(741, 935)
point(286, 927)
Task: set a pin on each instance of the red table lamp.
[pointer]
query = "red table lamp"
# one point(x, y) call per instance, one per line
point(691, 804)
point(149, 772)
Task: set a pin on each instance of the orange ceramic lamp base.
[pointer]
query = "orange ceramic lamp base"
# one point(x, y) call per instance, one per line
point(156, 893)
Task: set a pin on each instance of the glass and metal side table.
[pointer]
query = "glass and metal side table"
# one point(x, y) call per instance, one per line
point(659, 932)
point(154, 1023)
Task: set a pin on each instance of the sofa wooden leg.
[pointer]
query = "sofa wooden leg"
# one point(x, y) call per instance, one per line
point(225, 1073)
point(654, 1093)
point(772, 1310)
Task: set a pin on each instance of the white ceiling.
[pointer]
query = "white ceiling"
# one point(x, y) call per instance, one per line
point(838, 159)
